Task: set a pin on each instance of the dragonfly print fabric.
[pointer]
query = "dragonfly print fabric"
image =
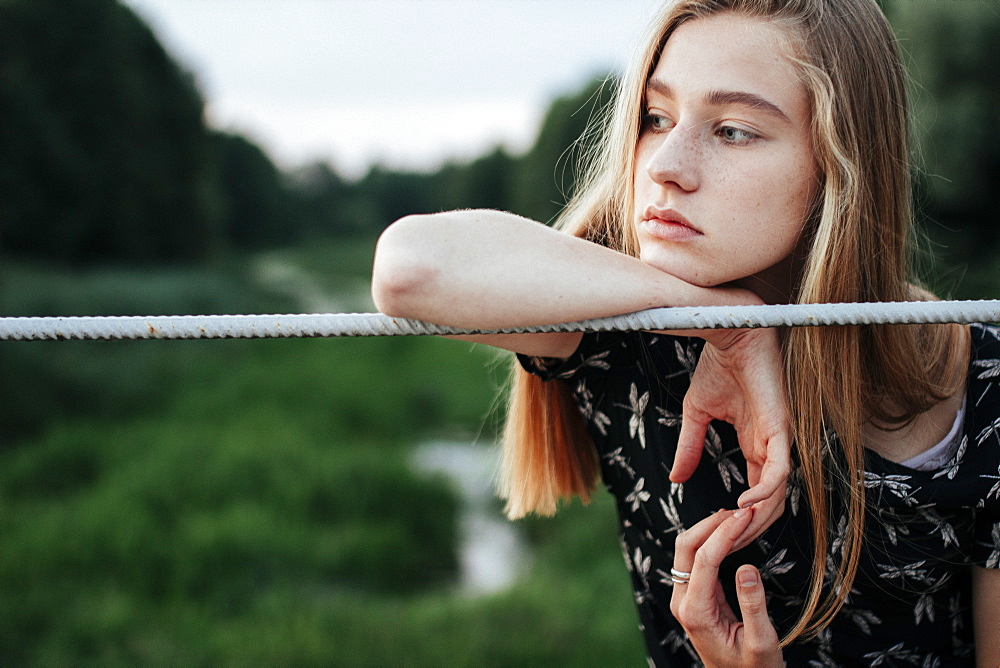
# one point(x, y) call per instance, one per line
point(911, 602)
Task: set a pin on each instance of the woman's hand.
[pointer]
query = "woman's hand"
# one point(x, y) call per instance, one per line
point(740, 379)
point(700, 605)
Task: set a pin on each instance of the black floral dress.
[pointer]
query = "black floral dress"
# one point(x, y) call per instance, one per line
point(911, 601)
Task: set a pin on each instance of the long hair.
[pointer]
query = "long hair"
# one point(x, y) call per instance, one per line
point(859, 238)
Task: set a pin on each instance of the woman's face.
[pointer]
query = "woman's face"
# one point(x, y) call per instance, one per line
point(725, 173)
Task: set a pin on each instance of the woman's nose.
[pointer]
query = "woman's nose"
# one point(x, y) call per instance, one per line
point(675, 160)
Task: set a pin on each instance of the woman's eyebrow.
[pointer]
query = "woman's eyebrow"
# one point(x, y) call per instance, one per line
point(720, 98)
point(723, 97)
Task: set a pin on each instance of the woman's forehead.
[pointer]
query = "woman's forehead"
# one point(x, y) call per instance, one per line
point(728, 53)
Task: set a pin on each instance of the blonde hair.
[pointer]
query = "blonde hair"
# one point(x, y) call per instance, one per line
point(859, 238)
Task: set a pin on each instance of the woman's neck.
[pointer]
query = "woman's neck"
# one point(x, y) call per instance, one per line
point(774, 285)
point(923, 433)
point(930, 427)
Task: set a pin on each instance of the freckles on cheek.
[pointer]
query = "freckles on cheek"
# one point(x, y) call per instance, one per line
point(799, 198)
point(787, 192)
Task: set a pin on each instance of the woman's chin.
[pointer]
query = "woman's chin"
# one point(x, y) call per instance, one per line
point(680, 270)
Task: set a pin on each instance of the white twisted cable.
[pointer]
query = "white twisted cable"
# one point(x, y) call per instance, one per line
point(377, 324)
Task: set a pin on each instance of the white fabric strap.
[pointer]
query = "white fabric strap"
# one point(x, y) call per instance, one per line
point(940, 454)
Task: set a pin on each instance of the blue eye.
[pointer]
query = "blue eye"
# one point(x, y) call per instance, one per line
point(734, 135)
point(655, 122)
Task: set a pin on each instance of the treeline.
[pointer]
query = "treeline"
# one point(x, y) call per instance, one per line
point(955, 85)
point(105, 154)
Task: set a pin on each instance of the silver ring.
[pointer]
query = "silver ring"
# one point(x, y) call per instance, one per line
point(674, 573)
point(680, 581)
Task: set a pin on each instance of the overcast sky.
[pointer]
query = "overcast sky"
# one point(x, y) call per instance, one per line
point(405, 82)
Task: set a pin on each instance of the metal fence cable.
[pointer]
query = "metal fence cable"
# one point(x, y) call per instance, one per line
point(377, 324)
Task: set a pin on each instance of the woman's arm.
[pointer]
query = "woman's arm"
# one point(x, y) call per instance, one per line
point(490, 269)
point(986, 615)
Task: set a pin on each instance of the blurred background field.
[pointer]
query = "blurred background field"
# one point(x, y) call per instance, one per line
point(229, 502)
point(253, 501)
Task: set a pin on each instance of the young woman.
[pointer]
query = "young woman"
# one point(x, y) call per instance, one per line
point(757, 153)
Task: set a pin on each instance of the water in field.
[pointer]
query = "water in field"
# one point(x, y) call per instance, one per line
point(492, 552)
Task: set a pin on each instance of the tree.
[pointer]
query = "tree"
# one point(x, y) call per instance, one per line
point(256, 205)
point(103, 150)
point(949, 49)
point(547, 175)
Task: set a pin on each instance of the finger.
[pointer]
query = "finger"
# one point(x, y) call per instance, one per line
point(758, 632)
point(690, 443)
point(686, 546)
point(690, 541)
point(773, 474)
point(708, 558)
point(764, 514)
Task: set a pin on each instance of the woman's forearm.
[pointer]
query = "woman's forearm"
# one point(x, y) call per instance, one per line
point(492, 269)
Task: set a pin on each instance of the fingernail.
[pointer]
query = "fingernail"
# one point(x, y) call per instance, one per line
point(747, 577)
point(739, 513)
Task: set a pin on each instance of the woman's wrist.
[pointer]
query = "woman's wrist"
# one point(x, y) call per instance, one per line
point(682, 294)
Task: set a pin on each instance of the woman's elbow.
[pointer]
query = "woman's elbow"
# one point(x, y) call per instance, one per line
point(403, 269)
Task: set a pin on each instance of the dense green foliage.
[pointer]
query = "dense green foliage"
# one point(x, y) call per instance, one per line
point(103, 151)
point(956, 85)
point(252, 502)
point(954, 88)
point(59, 381)
point(280, 476)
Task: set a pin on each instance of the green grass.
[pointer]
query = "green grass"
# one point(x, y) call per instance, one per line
point(264, 513)
point(40, 290)
point(251, 502)
point(342, 268)
point(348, 258)
point(46, 383)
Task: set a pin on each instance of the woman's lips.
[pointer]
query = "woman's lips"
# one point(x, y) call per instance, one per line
point(668, 225)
